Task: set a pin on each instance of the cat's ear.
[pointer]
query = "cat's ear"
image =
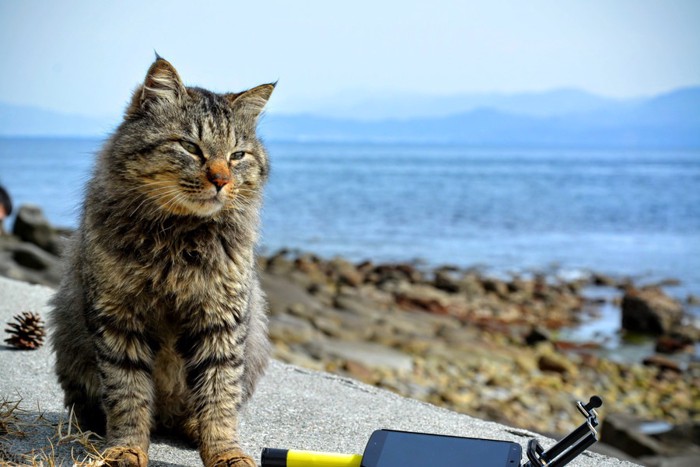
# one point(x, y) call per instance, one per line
point(162, 85)
point(251, 102)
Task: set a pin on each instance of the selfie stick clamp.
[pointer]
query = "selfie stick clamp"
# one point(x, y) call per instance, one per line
point(572, 445)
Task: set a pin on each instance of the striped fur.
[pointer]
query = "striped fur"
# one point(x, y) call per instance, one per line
point(160, 321)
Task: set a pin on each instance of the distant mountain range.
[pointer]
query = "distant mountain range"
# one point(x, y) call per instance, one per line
point(556, 118)
point(387, 105)
point(670, 120)
point(16, 120)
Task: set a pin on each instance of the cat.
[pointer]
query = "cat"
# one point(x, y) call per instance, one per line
point(160, 322)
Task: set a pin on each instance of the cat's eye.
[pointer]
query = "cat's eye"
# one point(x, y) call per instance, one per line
point(191, 148)
point(238, 155)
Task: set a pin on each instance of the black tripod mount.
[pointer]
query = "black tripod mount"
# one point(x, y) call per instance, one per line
point(570, 446)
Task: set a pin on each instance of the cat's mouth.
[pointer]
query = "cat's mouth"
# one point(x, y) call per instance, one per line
point(186, 201)
point(202, 205)
point(210, 204)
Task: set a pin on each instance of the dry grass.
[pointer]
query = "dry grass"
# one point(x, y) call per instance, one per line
point(17, 423)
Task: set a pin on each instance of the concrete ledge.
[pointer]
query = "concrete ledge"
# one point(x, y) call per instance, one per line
point(293, 407)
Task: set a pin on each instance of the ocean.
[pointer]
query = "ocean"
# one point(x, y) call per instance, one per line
point(623, 213)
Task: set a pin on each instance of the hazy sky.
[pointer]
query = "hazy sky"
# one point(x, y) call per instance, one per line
point(87, 56)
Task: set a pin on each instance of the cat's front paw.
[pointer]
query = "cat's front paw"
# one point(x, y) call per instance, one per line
point(232, 458)
point(124, 456)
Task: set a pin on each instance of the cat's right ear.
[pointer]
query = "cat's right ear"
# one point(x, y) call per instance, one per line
point(161, 86)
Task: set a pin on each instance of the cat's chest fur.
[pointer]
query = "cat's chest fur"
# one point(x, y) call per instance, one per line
point(175, 274)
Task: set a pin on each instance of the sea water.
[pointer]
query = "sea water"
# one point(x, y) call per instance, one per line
point(621, 212)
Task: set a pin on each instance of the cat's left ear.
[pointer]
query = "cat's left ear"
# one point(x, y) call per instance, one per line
point(251, 102)
point(162, 85)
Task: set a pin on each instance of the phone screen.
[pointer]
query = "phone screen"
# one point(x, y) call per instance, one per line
point(388, 448)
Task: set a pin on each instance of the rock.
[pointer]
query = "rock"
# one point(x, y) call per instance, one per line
point(345, 326)
point(422, 297)
point(307, 273)
point(688, 460)
point(365, 353)
point(279, 263)
point(356, 304)
point(667, 282)
point(496, 286)
point(650, 311)
point(32, 257)
point(295, 357)
point(291, 329)
point(654, 443)
point(283, 294)
point(521, 287)
point(672, 343)
point(360, 371)
point(470, 284)
point(307, 263)
point(537, 334)
point(556, 363)
point(602, 280)
point(662, 363)
point(394, 272)
point(27, 262)
point(408, 325)
point(446, 279)
point(624, 432)
point(31, 226)
point(345, 272)
point(693, 300)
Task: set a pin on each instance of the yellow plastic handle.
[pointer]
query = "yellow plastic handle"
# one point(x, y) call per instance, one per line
point(322, 459)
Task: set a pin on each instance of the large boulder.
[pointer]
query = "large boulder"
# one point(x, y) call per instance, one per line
point(631, 435)
point(653, 443)
point(650, 311)
point(31, 226)
point(27, 262)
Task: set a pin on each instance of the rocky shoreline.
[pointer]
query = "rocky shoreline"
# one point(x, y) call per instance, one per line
point(457, 338)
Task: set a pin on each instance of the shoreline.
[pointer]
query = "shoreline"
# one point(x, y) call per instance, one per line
point(292, 408)
point(486, 346)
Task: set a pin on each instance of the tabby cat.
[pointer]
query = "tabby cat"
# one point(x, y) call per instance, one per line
point(160, 321)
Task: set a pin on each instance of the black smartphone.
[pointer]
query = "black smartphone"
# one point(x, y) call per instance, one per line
point(389, 448)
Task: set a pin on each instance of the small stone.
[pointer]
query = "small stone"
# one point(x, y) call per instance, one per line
point(662, 363)
point(537, 334)
point(366, 353)
point(345, 272)
point(445, 279)
point(359, 371)
point(602, 280)
point(290, 329)
point(556, 363)
point(496, 286)
point(279, 263)
point(669, 344)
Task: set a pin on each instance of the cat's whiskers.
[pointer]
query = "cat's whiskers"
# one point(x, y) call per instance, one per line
point(171, 199)
point(150, 195)
point(144, 187)
point(159, 184)
point(235, 202)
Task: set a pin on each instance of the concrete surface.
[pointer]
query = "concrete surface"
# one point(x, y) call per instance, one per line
point(293, 407)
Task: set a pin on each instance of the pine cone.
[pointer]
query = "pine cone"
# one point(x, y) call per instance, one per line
point(27, 332)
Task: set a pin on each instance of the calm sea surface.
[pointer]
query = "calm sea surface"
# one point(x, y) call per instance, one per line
point(633, 213)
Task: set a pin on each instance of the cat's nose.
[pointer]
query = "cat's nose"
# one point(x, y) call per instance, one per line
point(219, 175)
point(218, 179)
